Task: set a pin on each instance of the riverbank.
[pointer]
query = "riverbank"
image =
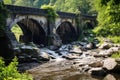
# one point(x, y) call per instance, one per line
point(72, 59)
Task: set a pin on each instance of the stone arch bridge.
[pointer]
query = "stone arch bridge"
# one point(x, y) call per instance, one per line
point(37, 28)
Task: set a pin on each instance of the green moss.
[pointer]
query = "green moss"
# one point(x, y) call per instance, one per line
point(51, 12)
point(116, 55)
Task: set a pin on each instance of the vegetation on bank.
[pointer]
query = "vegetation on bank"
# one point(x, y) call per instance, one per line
point(108, 19)
point(10, 71)
point(17, 31)
point(116, 55)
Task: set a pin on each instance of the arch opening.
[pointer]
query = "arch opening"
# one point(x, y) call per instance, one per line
point(17, 31)
point(67, 32)
point(89, 25)
point(32, 31)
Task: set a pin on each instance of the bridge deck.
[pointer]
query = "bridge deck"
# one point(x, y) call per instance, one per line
point(36, 11)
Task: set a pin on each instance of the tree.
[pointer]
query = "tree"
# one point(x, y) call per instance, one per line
point(53, 1)
point(82, 6)
point(108, 17)
point(59, 5)
point(28, 3)
point(39, 3)
point(7, 1)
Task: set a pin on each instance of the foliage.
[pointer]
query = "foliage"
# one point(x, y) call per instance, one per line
point(7, 1)
point(75, 6)
point(51, 12)
point(17, 31)
point(10, 72)
point(116, 55)
point(3, 16)
point(28, 3)
point(115, 39)
point(108, 18)
point(52, 2)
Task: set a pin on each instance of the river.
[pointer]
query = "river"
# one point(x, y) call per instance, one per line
point(62, 70)
point(69, 62)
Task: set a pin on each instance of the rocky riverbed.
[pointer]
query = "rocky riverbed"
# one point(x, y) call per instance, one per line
point(67, 61)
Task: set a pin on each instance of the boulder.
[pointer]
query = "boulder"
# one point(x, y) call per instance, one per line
point(106, 45)
point(96, 64)
point(76, 49)
point(112, 65)
point(90, 46)
point(114, 49)
point(102, 53)
point(109, 63)
point(44, 56)
point(109, 77)
point(117, 60)
point(98, 72)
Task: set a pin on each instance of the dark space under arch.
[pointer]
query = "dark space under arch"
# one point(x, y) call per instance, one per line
point(32, 32)
point(67, 32)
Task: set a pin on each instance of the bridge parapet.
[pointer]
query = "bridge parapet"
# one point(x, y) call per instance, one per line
point(36, 11)
point(66, 15)
point(26, 10)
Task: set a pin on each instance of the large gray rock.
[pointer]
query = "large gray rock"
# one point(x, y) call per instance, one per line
point(109, 77)
point(98, 71)
point(117, 60)
point(96, 64)
point(106, 45)
point(44, 56)
point(114, 49)
point(28, 53)
point(76, 49)
point(109, 63)
point(90, 46)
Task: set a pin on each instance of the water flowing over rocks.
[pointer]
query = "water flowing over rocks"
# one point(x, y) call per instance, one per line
point(69, 59)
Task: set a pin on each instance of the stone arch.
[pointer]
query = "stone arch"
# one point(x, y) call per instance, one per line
point(67, 32)
point(32, 31)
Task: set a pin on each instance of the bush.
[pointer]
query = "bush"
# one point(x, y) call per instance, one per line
point(10, 72)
